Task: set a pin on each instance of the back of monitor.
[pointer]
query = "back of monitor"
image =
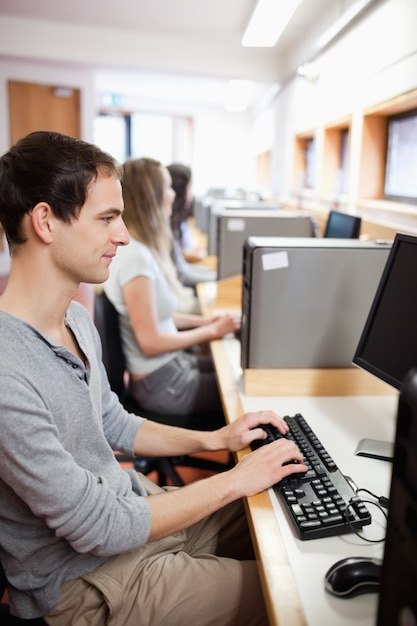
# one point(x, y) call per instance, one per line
point(220, 207)
point(305, 300)
point(234, 227)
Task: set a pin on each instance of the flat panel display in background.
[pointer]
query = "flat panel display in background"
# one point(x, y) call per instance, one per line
point(342, 225)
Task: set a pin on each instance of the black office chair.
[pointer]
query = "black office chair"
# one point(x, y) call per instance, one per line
point(107, 322)
point(6, 619)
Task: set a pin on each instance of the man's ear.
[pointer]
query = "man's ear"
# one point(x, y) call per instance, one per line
point(42, 220)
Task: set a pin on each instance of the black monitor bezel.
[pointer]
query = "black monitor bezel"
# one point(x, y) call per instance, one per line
point(357, 358)
point(354, 222)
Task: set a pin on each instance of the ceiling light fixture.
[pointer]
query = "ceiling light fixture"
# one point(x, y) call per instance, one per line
point(309, 71)
point(269, 19)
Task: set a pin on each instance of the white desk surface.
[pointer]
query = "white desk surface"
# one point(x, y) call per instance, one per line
point(339, 422)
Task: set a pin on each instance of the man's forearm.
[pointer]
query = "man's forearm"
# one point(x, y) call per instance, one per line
point(175, 510)
point(154, 439)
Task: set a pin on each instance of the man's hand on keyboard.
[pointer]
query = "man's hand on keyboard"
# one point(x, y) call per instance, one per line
point(247, 428)
point(267, 465)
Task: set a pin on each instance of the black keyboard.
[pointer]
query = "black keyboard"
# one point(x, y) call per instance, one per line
point(320, 502)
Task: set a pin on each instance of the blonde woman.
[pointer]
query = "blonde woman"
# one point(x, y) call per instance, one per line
point(143, 286)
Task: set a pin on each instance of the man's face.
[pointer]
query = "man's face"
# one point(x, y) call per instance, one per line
point(84, 249)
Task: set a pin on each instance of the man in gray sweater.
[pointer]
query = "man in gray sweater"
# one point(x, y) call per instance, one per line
point(83, 541)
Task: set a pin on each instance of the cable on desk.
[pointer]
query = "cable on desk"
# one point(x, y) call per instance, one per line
point(382, 500)
point(378, 505)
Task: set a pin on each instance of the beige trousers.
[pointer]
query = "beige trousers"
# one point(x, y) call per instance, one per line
point(204, 576)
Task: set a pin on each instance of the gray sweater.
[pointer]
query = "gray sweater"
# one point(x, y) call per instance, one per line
point(66, 504)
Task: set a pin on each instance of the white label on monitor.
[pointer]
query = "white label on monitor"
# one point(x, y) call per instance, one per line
point(236, 225)
point(274, 261)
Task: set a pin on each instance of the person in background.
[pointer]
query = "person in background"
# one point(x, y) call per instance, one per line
point(82, 540)
point(165, 377)
point(185, 258)
point(4, 261)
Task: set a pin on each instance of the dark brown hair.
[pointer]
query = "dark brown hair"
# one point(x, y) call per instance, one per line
point(48, 167)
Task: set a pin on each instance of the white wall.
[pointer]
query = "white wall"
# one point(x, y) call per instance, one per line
point(221, 147)
point(222, 151)
point(375, 61)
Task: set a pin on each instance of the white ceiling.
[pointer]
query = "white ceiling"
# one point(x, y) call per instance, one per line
point(186, 41)
point(220, 20)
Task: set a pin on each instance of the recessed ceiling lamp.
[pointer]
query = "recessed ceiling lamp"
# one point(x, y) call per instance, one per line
point(267, 22)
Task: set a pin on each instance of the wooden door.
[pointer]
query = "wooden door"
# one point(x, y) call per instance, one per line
point(43, 107)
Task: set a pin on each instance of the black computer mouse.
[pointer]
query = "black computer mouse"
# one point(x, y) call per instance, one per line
point(353, 576)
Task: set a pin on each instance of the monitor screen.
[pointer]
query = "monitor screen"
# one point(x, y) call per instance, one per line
point(342, 225)
point(387, 347)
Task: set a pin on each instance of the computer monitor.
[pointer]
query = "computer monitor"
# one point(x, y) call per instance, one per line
point(342, 225)
point(398, 599)
point(387, 347)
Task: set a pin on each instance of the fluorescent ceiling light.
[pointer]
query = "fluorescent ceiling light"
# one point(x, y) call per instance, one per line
point(268, 21)
point(343, 21)
point(238, 94)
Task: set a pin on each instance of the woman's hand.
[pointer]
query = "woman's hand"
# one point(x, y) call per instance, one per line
point(222, 325)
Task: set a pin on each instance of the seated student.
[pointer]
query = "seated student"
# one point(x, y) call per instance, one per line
point(189, 271)
point(82, 540)
point(143, 286)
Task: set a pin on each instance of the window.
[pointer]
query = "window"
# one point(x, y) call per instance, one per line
point(335, 169)
point(310, 163)
point(344, 159)
point(401, 159)
point(112, 134)
point(152, 136)
point(304, 162)
point(134, 135)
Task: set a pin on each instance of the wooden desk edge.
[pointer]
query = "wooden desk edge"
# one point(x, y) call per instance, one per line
point(280, 590)
point(313, 382)
point(224, 294)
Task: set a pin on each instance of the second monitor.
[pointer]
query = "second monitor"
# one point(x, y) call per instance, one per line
point(342, 225)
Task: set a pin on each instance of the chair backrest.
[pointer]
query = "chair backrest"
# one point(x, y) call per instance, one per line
point(107, 322)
